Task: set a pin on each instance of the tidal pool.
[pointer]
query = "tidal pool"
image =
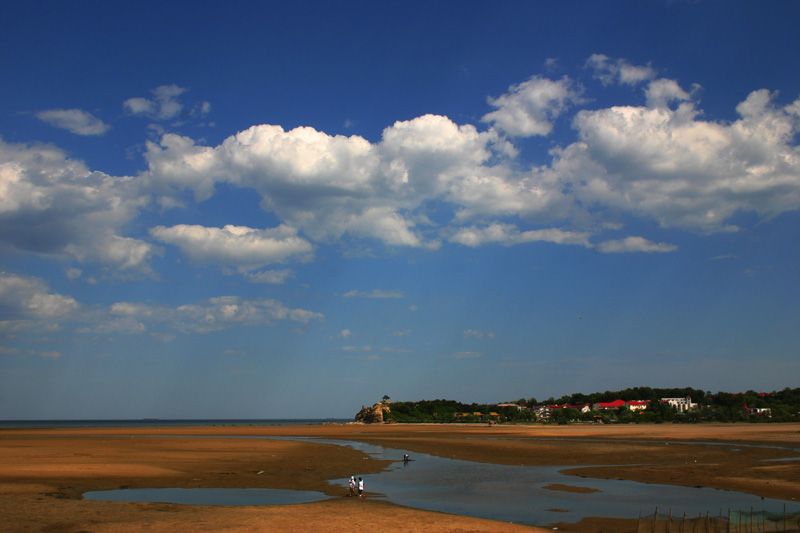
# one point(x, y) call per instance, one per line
point(206, 496)
point(517, 493)
point(499, 492)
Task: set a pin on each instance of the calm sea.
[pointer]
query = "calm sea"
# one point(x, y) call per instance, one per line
point(159, 423)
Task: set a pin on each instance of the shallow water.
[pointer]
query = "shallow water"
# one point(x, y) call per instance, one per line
point(499, 492)
point(208, 496)
point(517, 493)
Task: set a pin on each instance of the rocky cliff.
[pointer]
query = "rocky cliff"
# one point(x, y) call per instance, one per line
point(374, 414)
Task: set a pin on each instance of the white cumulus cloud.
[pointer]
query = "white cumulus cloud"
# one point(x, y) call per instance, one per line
point(332, 186)
point(668, 165)
point(659, 161)
point(27, 303)
point(242, 247)
point(24, 297)
point(326, 186)
point(529, 108)
point(426, 181)
point(662, 92)
point(50, 204)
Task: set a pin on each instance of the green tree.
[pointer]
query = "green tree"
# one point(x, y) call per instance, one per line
point(624, 415)
point(564, 416)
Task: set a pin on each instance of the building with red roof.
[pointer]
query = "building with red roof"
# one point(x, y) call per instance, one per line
point(605, 406)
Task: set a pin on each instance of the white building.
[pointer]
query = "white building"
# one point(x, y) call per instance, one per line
point(758, 411)
point(636, 405)
point(516, 406)
point(682, 405)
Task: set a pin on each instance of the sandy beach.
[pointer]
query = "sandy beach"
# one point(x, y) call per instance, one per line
point(43, 473)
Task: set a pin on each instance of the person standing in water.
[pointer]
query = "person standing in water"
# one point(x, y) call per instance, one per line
point(352, 486)
point(360, 488)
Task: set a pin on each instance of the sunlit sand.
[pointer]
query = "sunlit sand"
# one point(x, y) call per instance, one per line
point(42, 479)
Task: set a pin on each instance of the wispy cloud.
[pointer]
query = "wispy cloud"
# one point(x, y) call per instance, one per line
point(370, 357)
point(462, 355)
point(365, 348)
point(619, 70)
point(28, 304)
point(478, 334)
point(633, 244)
point(272, 277)
point(389, 349)
point(344, 334)
point(165, 104)
point(76, 121)
point(377, 293)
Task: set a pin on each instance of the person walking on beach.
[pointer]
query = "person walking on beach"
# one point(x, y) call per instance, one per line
point(352, 486)
point(360, 488)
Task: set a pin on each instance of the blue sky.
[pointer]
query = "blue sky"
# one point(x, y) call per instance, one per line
point(263, 210)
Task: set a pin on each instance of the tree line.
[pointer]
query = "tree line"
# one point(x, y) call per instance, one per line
point(784, 406)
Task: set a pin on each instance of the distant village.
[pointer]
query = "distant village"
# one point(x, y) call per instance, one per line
point(680, 405)
point(635, 405)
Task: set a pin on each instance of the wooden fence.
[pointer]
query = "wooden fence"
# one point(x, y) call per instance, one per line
point(732, 521)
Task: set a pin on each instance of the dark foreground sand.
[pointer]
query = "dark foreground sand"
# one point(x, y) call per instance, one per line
point(41, 479)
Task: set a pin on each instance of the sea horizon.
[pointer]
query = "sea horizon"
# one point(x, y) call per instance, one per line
point(166, 422)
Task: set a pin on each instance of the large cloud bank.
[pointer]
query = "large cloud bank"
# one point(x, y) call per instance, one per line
point(426, 181)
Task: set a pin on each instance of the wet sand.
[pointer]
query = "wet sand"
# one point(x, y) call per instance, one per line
point(41, 479)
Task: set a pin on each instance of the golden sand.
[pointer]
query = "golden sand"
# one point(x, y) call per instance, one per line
point(42, 479)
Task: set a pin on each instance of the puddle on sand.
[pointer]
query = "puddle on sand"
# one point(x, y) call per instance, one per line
point(208, 496)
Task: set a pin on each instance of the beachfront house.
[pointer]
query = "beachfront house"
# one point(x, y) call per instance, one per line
point(582, 409)
point(758, 411)
point(608, 406)
point(633, 405)
point(542, 411)
point(682, 405)
point(636, 405)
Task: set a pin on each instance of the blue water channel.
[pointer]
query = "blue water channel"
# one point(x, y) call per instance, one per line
point(499, 492)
